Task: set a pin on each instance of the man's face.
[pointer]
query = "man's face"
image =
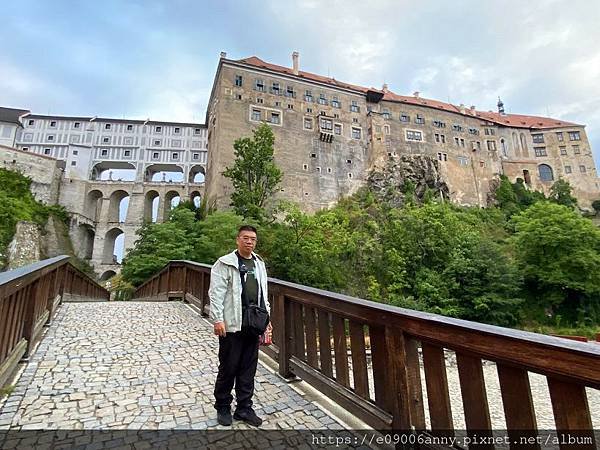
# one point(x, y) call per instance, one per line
point(246, 241)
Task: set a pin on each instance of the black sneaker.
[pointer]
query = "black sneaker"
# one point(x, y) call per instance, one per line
point(248, 416)
point(224, 416)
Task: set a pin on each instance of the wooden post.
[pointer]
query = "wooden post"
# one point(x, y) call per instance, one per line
point(283, 321)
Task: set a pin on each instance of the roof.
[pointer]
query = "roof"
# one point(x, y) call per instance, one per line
point(509, 120)
point(107, 119)
point(37, 155)
point(12, 115)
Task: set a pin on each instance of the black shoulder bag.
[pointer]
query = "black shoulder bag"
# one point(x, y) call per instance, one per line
point(255, 318)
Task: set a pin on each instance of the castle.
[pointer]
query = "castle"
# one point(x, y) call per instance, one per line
point(329, 135)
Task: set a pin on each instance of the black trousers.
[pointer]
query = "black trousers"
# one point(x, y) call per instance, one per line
point(238, 357)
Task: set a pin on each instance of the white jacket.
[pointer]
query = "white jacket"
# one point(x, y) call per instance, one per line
point(225, 292)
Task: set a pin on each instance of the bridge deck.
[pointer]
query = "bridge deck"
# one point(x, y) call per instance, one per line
point(133, 365)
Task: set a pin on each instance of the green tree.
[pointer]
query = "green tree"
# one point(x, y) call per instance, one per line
point(559, 255)
point(254, 174)
point(560, 193)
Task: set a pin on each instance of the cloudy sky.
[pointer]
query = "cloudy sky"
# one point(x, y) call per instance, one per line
point(157, 59)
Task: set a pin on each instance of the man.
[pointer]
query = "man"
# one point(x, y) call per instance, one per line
point(229, 290)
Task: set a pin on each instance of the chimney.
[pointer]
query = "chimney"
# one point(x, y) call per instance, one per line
point(295, 57)
point(472, 109)
point(385, 87)
point(223, 55)
point(462, 108)
point(416, 94)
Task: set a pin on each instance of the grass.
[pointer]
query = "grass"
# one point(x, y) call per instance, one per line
point(6, 391)
point(589, 332)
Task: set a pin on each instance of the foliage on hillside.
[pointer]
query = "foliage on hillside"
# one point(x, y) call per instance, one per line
point(17, 203)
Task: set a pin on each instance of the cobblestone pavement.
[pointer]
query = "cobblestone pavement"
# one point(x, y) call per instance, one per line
point(136, 365)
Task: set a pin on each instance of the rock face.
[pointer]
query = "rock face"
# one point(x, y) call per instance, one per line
point(406, 173)
point(24, 248)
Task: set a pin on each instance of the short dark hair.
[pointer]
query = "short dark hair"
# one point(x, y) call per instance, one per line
point(246, 228)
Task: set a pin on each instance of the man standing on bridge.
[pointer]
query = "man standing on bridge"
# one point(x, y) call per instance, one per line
point(238, 283)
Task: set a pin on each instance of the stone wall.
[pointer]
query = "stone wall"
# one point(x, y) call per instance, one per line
point(44, 172)
point(24, 248)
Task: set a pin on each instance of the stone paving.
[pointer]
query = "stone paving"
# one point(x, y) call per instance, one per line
point(134, 366)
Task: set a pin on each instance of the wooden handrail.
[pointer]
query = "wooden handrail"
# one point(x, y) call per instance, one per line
point(29, 297)
point(327, 339)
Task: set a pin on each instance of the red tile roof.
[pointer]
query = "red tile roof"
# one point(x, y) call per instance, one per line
point(510, 120)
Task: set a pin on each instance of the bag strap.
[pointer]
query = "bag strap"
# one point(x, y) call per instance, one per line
point(245, 302)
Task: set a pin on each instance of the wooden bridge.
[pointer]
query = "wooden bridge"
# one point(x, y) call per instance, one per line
point(387, 366)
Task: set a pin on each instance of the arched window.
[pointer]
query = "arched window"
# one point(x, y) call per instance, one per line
point(546, 173)
point(504, 149)
point(524, 145)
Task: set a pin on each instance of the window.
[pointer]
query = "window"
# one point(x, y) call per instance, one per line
point(51, 137)
point(462, 142)
point(326, 124)
point(540, 151)
point(308, 96)
point(77, 125)
point(53, 124)
point(329, 170)
point(386, 114)
point(127, 153)
point(439, 124)
point(463, 160)
point(105, 140)
point(442, 156)
point(473, 131)
point(337, 129)
point(196, 130)
point(75, 152)
point(419, 119)
point(175, 155)
point(304, 166)
point(356, 133)
point(456, 141)
point(336, 116)
point(348, 161)
point(313, 155)
point(195, 156)
point(277, 103)
point(560, 137)
point(412, 135)
point(238, 80)
point(157, 142)
point(158, 129)
point(290, 106)
point(47, 151)
point(177, 130)
point(354, 120)
point(31, 122)
point(308, 123)
point(576, 149)
point(349, 175)
point(568, 169)
point(386, 129)
point(563, 150)
point(104, 152)
point(275, 88)
point(491, 146)
point(155, 155)
point(354, 106)
point(275, 118)
point(322, 100)
point(440, 138)
point(545, 172)
point(457, 127)
point(107, 126)
point(574, 136)
point(319, 169)
point(289, 92)
point(335, 102)
point(538, 138)
point(256, 115)
point(259, 85)
point(404, 118)
point(260, 100)
point(489, 131)
point(129, 127)
point(308, 110)
point(582, 169)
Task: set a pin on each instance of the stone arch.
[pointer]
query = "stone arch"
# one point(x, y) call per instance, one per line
point(86, 237)
point(107, 275)
point(151, 205)
point(524, 145)
point(113, 171)
point(196, 198)
point(545, 172)
point(93, 205)
point(118, 205)
point(197, 174)
point(171, 199)
point(163, 173)
point(109, 255)
point(515, 140)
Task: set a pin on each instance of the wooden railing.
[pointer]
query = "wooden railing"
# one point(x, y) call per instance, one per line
point(369, 358)
point(29, 297)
